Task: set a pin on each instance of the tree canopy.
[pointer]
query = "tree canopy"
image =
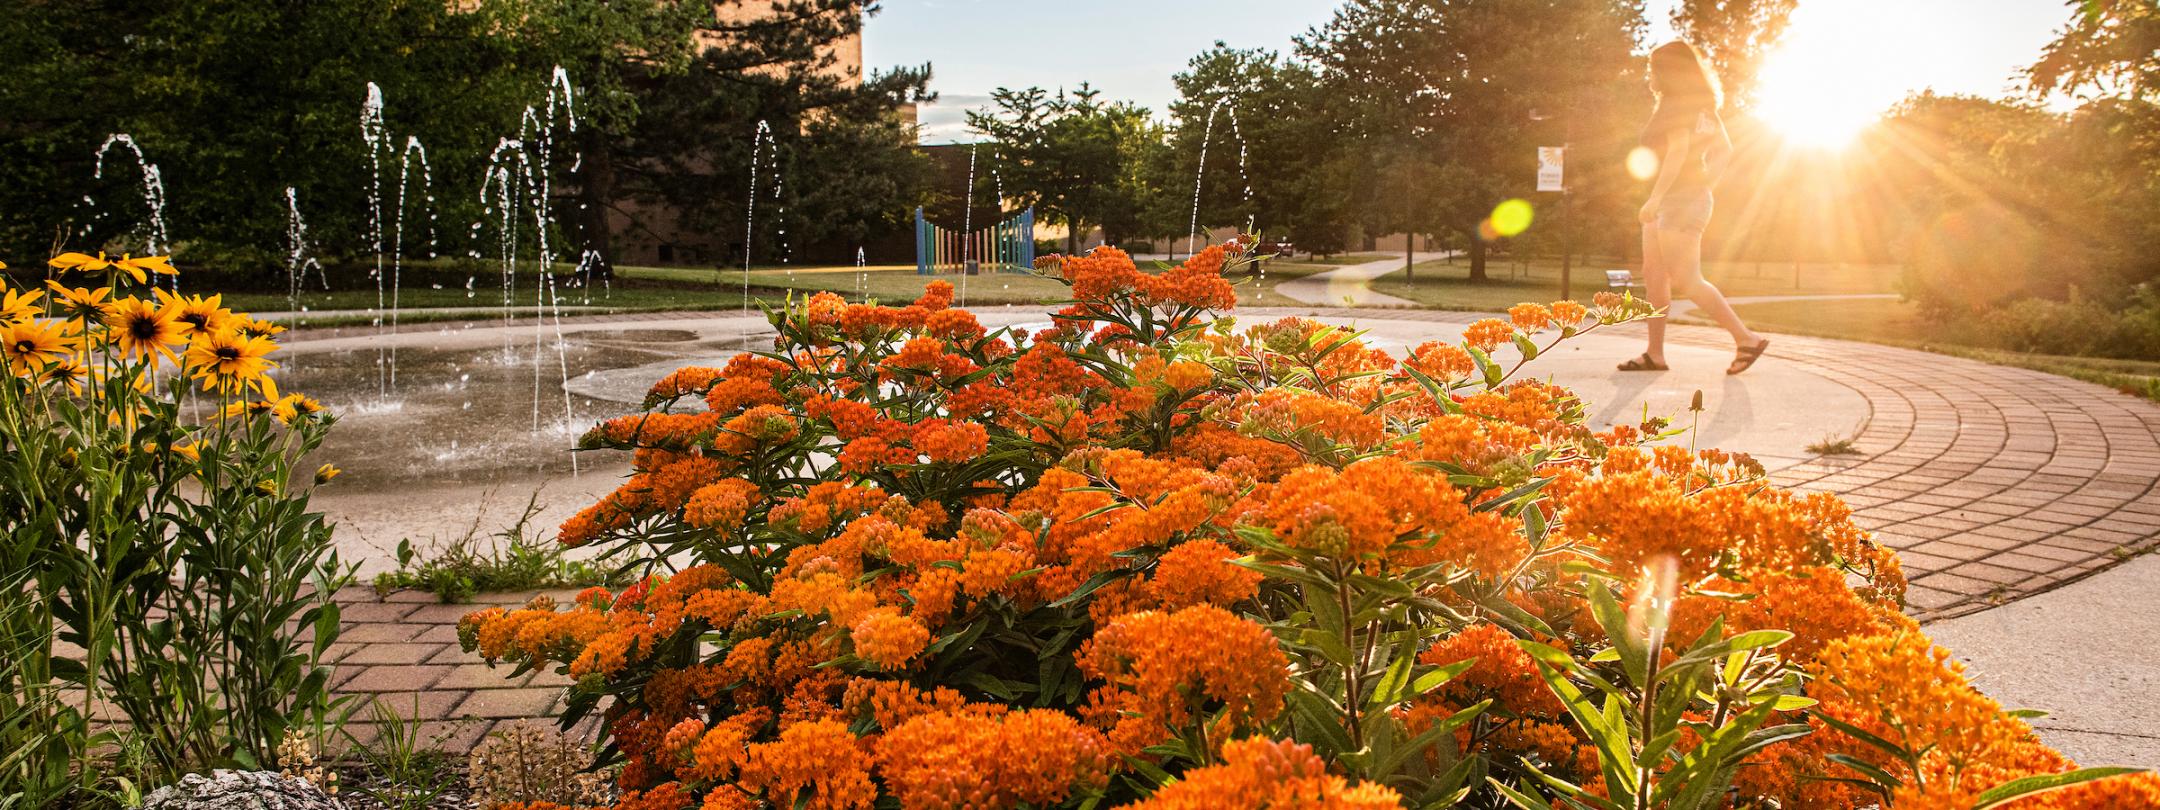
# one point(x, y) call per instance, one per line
point(235, 102)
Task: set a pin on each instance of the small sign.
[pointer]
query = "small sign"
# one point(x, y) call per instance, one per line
point(1551, 175)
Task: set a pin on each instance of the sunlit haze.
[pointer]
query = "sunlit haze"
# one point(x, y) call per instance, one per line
point(1844, 61)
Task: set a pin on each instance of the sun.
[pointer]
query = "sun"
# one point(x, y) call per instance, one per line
point(1813, 96)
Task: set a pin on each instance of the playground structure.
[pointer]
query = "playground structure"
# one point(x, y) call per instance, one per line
point(1007, 246)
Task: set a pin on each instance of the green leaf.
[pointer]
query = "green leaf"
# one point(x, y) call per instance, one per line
point(1524, 800)
point(2033, 785)
point(1439, 677)
point(1093, 584)
point(1634, 657)
point(1524, 344)
point(1876, 776)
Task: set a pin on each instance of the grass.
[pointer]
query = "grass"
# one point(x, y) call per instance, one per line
point(517, 560)
point(1834, 446)
point(1441, 284)
point(430, 295)
point(1898, 323)
point(889, 284)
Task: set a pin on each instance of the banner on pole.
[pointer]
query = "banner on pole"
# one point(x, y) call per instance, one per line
point(1551, 174)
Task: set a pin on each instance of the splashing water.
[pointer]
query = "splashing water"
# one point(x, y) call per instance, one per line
point(1200, 175)
point(153, 186)
point(397, 245)
point(587, 262)
point(762, 145)
point(375, 135)
point(967, 229)
point(518, 192)
point(862, 274)
point(297, 260)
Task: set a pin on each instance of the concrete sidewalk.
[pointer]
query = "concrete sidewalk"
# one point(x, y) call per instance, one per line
point(2088, 653)
point(1347, 286)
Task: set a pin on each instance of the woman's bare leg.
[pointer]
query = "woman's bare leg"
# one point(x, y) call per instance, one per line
point(1657, 288)
point(1681, 256)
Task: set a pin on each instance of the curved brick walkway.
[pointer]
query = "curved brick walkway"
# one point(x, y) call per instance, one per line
point(1993, 483)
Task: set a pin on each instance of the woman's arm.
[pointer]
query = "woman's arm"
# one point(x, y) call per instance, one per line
point(1669, 169)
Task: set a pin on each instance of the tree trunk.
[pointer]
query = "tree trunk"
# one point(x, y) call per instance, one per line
point(1072, 236)
point(595, 194)
point(1409, 256)
point(1477, 258)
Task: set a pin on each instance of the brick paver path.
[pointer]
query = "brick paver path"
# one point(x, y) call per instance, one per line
point(1991, 482)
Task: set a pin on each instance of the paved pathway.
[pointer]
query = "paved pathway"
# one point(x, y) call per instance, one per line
point(400, 653)
point(1350, 285)
point(2084, 653)
point(1993, 483)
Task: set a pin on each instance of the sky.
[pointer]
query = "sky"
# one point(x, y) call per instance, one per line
point(1876, 50)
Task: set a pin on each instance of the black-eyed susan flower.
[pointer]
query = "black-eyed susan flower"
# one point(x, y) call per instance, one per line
point(140, 330)
point(197, 315)
point(186, 451)
point(255, 327)
point(293, 407)
point(81, 303)
point(66, 372)
point(31, 345)
point(80, 263)
point(247, 407)
point(226, 360)
point(17, 306)
point(324, 473)
point(140, 268)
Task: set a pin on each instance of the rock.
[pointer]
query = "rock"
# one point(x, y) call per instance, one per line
point(240, 790)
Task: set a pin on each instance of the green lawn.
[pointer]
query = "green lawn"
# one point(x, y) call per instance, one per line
point(410, 301)
point(1899, 323)
point(638, 289)
point(888, 284)
point(1443, 284)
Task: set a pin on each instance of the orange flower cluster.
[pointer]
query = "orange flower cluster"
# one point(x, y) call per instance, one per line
point(1161, 670)
point(1002, 570)
point(1108, 273)
point(1899, 686)
point(987, 758)
point(1260, 774)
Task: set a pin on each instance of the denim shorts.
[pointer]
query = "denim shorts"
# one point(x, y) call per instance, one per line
point(1690, 214)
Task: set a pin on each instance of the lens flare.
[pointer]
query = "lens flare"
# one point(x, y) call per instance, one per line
point(1642, 163)
point(1512, 217)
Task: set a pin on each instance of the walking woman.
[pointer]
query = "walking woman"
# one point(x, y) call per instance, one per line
point(1692, 148)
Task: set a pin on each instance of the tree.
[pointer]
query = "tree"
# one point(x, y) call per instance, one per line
point(237, 101)
point(2006, 200)
point(1071, 156)
point(1456, 95)
point(673, 97)
point(1734, 35)
point(234, 102)
point(2110, 46)
point(1263, 108)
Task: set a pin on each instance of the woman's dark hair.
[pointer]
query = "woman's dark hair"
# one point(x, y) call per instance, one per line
point(1678, 72)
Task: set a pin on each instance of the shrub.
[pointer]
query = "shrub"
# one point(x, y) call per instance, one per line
point(1143, 556)
point(152, 504)
point(513, 559)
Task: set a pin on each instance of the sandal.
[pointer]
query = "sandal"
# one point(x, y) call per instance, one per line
point(1643, 363)
point(1747, 355)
